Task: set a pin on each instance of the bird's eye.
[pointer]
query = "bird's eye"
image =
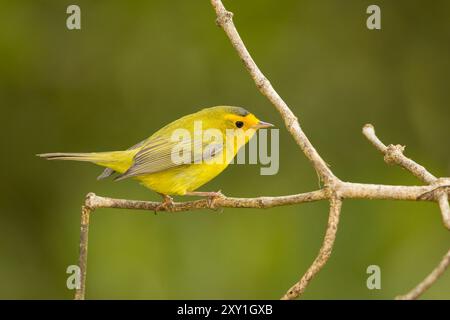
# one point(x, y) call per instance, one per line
point(239, 124)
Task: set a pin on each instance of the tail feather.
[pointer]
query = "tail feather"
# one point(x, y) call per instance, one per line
point(91, 157)
point(118, 161)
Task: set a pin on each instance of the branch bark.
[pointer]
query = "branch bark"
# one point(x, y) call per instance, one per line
point(393, 154)
point(225, 21)
point(334, 190)
point(324, 252)
point(82, 261)
point(346, 190)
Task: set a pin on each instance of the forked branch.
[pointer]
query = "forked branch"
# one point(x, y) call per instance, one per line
point(393, 154)
point(334, 190)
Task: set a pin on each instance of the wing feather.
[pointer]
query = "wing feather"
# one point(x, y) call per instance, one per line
point(109, 172)
point(158, 154)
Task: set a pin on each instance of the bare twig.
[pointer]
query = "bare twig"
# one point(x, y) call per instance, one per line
point(445, 208)
point(82, 261)
point(95, 201)
point(393, 154)
point(324, 252)
point(347, 190)
point(335, 190)
point(428, 281)
point(225, 21)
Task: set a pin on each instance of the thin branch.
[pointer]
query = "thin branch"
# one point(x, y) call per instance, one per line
point(95, 201)
point(324, 253)
point(82, 261)
point(225, 21)
point(347, 190)
point(428, 281)
point(393, 154)
point(445, 208)
point(351, 190)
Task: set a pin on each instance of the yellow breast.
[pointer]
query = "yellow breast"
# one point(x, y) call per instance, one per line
point(189, 177)
point(179, 180)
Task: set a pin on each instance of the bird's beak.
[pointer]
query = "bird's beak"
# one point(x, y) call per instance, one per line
point(262, 124)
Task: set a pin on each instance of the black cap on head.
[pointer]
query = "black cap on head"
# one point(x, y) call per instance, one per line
point(238, 111)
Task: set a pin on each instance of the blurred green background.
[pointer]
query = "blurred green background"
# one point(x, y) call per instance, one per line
point(137, 65)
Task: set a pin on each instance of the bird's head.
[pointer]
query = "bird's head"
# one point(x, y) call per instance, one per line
point(236, 118)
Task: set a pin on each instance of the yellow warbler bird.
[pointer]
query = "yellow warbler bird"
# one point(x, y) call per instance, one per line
point(156, 161)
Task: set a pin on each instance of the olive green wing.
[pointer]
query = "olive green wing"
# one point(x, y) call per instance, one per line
point(161, 154)
point(109, 172)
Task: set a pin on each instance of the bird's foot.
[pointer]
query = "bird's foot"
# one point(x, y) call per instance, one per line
point(166, 205)
point(213, 197)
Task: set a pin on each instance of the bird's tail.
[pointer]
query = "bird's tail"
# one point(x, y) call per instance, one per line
point(118, 161)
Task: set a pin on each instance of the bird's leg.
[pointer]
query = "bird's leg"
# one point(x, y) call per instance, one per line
point(212, 196)
point(166, 204)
